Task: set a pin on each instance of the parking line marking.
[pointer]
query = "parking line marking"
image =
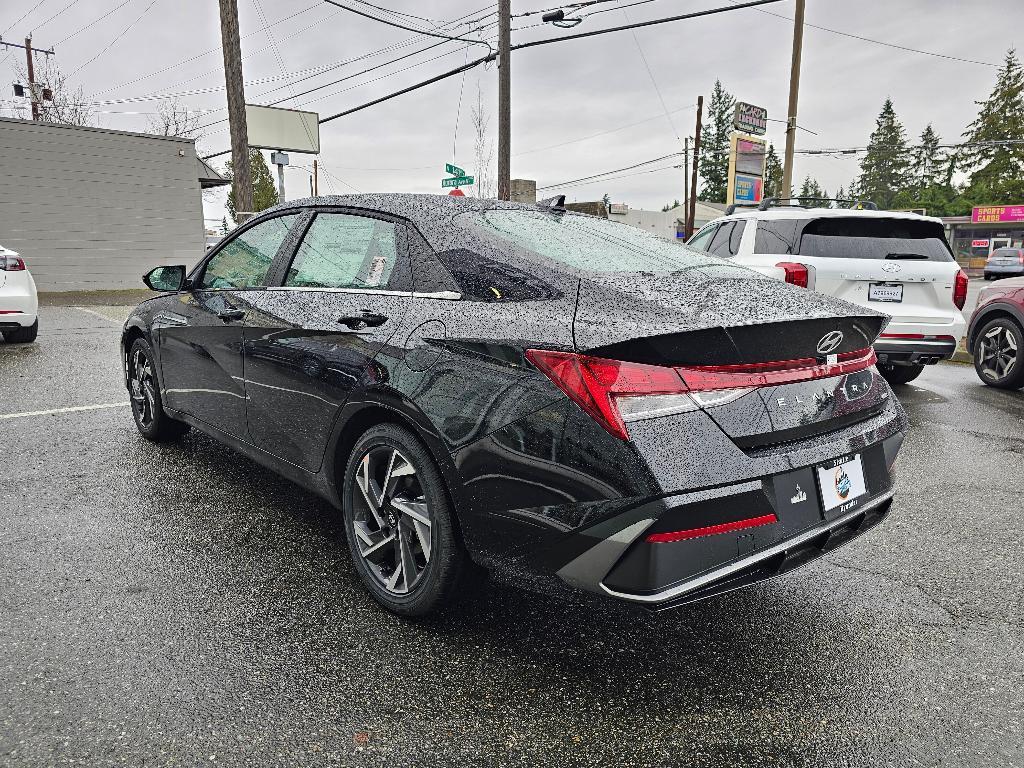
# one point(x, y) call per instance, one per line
point(97, 314)
point(54, 411)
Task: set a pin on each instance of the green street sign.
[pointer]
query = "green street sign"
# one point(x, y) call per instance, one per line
point(458, 181)
point(454, 170)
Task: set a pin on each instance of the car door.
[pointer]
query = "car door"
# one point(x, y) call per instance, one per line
point(200, 338)
point(313, 339)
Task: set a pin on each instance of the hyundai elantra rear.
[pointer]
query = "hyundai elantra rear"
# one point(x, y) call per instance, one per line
point(556, 397)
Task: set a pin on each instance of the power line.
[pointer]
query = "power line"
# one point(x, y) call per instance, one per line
point(398, 13)
point(93, 22)
point(601, 133)
point(407, 29)
point(24, 16)
point(616, 170)
point(882, 42)
point(650, 74)
point(112, 42)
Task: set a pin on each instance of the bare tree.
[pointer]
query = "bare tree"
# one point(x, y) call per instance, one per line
point(67, 106)
point(484, 148)
point(175, 119)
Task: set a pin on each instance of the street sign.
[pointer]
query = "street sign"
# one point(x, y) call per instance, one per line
point(454, 170)
point(750, 119)
point(458, 181)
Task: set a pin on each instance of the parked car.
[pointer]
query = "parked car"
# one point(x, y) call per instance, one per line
point(1005, 262)
point(893, 262)
point(565, 397)
point(19, 304)
point(996, 334)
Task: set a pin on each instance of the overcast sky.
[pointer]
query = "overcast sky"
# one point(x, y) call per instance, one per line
point(561, 93)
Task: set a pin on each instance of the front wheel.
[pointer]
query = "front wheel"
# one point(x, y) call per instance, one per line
point(399, 523)
point(997, 350)
point(899, 374)
point(147, 406)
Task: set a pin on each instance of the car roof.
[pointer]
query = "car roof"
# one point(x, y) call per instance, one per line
point(798, 212)
point(415, 207)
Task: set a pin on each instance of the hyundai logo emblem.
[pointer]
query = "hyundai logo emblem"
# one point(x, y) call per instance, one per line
point(830, 342)
point(891, 266)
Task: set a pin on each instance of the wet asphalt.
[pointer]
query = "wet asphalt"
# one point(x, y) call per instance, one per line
point(178, 605)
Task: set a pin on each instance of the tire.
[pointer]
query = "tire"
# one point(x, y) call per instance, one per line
point(147, 406)
point(898, 375)
point(22, 335)
point(411, 531)
point(998, 353)
point(988, 277)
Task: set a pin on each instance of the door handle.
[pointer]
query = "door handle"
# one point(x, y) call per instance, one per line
point(365, 319)
point(231, 313)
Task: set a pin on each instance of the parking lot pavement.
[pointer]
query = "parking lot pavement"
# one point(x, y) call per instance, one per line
point(177, 605)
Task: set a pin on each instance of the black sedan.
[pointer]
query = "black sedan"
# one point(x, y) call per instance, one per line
point(561, 397)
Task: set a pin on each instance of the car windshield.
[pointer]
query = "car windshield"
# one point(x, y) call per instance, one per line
point(592, 244)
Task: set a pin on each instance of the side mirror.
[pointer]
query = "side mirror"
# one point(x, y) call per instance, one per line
point(165, 279)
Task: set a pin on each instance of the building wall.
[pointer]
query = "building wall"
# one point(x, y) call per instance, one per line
point(665, 223)
point(92, 209)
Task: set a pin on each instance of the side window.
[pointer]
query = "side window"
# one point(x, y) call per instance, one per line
point(345, 251)
point(736, 237)
point(778, 236)
point(701, 239)
point(245, 260)
point(720, 242)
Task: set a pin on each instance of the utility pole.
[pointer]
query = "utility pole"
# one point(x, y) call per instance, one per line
point(794, 90)
point(36, 96)
point(316, 180)
point(686, 184)
point(690, 214)
point(504, 99)
point(241, 180)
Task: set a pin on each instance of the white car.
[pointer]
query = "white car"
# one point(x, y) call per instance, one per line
point(19, 305)
point(893, 262)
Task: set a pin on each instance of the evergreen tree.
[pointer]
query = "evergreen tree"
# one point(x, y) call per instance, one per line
point(811, 193)
point(264, 191)
point(224, 225)
point(997, 171)
point(885, 169)
point(772, 173)
point(841, 195)
point(714, 145)
point(928, 161)
point(668, 207)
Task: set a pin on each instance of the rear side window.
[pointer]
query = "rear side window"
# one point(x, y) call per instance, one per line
point(726, 241)
point(702, 239)
point(855, 238)
point(343, 251)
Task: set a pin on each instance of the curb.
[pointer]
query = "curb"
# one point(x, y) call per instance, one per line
point(124, 297)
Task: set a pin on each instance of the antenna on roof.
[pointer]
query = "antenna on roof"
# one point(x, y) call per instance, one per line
point(556, 203)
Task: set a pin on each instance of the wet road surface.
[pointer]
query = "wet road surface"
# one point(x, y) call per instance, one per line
point(178, 605)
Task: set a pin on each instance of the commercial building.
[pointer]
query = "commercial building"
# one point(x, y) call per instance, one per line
point(668, 223)
point(91, 208)
point(974, 237)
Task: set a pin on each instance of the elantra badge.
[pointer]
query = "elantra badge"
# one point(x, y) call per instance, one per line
point(830, 342)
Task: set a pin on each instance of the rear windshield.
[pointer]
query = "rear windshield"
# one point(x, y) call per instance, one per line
point(854, 238)
point(592, 244)
point(1005, 252)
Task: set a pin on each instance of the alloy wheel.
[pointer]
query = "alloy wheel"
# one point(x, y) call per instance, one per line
point(997, 353)
point(143, 388)
point(391, 520)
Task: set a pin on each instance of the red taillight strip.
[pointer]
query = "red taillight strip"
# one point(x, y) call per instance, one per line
point(706, 377)
point(711, 530)
point(916, 337)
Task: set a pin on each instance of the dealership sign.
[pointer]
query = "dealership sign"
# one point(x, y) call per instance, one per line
point(992, 214)
point(750, 119)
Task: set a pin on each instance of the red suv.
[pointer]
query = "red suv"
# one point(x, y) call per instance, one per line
point(995, 335)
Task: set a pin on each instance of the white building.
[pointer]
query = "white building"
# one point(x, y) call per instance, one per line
point(668, 224)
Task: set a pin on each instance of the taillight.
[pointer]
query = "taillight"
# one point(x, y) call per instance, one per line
point(795, 273)
point(1020, 256)
point(960, 289)
point(601, 387)
point(614, 392)
point(11, 264)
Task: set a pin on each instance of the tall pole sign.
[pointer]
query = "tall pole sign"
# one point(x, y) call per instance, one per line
point(746, 155)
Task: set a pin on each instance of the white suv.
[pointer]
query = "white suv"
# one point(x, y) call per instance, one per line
point(19, 305)
point(892, 262)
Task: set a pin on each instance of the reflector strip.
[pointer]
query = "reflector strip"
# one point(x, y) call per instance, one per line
point(707, 377)
point(711, 530)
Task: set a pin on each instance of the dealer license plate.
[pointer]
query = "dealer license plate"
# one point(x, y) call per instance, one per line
point(892, 292)
point(841, 482)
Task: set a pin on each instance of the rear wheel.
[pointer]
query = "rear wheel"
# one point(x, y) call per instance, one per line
point(399, 523)
point(22, 335)
point(998, 349)
point(899, 374)
point(147, 406)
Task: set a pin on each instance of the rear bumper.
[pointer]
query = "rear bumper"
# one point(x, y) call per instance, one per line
point(19, 305)
point(741, 534)
point(10, 319)
point(1004, 270)
point(927, 350)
